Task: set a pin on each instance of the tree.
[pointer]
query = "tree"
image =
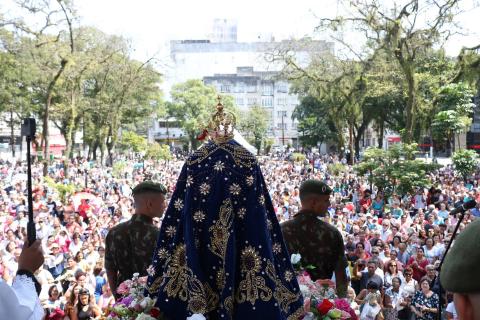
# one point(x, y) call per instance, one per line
point(254, 124)
point(455, 102)
point(465, 162)
point(314, 122)
point(157, 152)
point(397, 29)
point(395, 169)
point(193, 103)
point(130, 141)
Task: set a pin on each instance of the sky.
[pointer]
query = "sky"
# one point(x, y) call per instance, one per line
point(151, 24)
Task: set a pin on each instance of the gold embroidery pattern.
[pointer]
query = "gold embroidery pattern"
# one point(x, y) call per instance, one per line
point(241, 213)
point(297, 315)
point(171, 230)
point(204, 188)
point(240, 155)
point(178, 204)
point(228, 303)
point(180, 282)
point(199, 216)
point(235, 189)
point(219, 166)
point(283, 296)
point(252, 287)
point(162, 253)
point(277, 248)
point(189, 181)
point(220, 236)
point(261, 199)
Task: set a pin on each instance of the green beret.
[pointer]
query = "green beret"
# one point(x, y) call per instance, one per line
point(314, 187)
point(148, 186)
point(458, 272)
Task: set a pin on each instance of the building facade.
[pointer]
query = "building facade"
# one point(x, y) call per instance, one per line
point(262, 88)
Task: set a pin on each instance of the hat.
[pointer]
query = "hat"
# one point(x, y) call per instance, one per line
point(456, 274)
point(54, 245)
point(148, 186)
point(314, 187)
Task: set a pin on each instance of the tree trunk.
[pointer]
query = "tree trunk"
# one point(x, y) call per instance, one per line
point(407, 68)
point(46, 115)
point(12, 133)
point(381, 133)
point(350, 144)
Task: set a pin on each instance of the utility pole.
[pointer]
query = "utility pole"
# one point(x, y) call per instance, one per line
point(283, 129)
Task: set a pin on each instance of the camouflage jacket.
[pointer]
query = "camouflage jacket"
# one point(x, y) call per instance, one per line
point(129, 247)
point(319, 243)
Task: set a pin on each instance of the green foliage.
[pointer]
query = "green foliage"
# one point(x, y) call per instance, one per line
point(254, 124)
point(314, 124)
point(118, 169)
point(336, 169)
point(465, 162)
point(395, 169)
point(193, 103)
point(156, 151)
point(458, 97)
point(268, 143)
point(62, 189)
point(131, 141)
point(298, 157)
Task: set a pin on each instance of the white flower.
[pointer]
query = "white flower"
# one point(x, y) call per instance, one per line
point(309, 316)
point(136, 275)
point(295, 258)
point(196, 316)
point(144, 316)
point(146, 302)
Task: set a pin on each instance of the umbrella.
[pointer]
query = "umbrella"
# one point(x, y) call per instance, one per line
point(79, 196)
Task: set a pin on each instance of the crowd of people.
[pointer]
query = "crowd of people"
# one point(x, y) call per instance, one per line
point(393, 243)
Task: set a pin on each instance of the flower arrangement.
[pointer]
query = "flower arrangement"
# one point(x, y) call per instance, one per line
point(320, 299)
point(134, 305)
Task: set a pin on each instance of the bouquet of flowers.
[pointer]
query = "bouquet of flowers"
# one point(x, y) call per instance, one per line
point(134, 305)
point(320, 299)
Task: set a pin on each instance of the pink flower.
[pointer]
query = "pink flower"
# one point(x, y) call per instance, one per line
point(343, 305)
point(304, 279)
point(124, 287)
point(325, 283)
point(143, 280)
point(307, 304)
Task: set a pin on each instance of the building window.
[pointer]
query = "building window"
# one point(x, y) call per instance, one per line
point(280, 125)
point(282, 87)
point(239, 101)
point(240, 87)
point(281, 101)
point(267, 101)
point(225, 88)
point(267, 89)
point(251, 101)
point(252, 88)
point(281, 114)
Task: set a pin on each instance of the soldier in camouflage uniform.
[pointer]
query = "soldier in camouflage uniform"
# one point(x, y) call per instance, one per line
point(319, 243)
point(129, 246)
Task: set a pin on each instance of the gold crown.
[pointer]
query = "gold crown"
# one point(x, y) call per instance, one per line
point(222, 125)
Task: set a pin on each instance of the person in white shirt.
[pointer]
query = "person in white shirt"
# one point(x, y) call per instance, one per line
point(20, 301)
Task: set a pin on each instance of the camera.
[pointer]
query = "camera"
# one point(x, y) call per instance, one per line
point(29, 127)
